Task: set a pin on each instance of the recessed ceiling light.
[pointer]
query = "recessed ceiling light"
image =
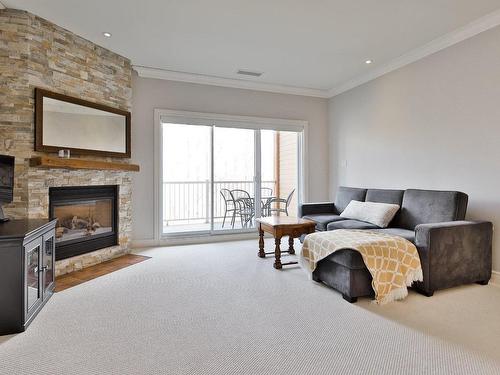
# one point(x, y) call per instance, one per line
point(106, 34)
point(368, 61)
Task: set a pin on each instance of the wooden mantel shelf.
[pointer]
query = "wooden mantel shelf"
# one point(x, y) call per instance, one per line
point(54, 162)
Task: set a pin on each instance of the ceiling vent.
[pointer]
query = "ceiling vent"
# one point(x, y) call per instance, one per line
point(249, 73)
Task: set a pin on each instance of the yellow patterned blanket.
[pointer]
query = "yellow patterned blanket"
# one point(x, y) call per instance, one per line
point(392, 261)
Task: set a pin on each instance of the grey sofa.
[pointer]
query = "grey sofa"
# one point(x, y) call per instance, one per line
point(452, 251)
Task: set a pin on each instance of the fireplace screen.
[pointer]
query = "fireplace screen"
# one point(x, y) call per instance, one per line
point(87, 218)
point(83, 219)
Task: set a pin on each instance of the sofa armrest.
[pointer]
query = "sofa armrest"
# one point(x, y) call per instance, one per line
point(454, 253)
point(317, 208)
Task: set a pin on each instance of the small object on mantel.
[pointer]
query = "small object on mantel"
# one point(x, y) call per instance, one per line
point(54, 162)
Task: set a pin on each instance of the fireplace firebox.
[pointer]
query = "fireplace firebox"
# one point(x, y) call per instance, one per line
point(87, 218)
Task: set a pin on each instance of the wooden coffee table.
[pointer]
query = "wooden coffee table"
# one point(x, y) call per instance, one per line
point(280, 226)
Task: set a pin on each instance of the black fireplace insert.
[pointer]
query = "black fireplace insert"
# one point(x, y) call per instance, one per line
point(87, 218)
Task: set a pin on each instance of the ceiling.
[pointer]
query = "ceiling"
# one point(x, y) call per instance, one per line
point(320, 44)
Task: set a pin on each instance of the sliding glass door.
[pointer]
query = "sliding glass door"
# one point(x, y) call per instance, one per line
point(186, 178)
point(219, 176)
point(234, 178)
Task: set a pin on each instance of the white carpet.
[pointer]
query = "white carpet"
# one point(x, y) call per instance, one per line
point(218, 309)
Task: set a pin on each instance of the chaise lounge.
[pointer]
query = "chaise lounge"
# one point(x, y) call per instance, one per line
point(452, 251)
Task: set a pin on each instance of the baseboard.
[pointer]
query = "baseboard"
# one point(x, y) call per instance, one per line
point(193, 240)
point(137, 244)
point(495, 278)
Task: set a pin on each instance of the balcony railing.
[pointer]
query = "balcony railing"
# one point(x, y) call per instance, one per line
point(189, 201)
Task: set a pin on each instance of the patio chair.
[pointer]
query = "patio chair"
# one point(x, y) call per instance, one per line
point(244, 206)
point(279, 202)
point(266, 193)
point(229, 206)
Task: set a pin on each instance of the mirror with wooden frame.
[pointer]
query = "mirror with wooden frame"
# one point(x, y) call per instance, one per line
point(83, 127)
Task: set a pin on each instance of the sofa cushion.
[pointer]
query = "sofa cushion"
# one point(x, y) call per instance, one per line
point(347, 257)
point(376, 213)
point(430, 206)
point(322, 220)
point(385, 196)
point(405, 233)
point(350, 224)
point(346, 194)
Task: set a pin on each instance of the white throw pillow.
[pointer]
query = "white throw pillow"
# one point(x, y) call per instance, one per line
point(379, 214)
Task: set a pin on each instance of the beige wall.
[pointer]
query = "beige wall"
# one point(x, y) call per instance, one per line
point(434, 124)
point(149, 94)
point(288, 168)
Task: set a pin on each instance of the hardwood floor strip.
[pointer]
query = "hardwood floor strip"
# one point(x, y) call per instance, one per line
point(78, 277)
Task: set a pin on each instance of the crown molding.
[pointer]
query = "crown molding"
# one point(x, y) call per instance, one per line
point(468, 31)
point(171, 75)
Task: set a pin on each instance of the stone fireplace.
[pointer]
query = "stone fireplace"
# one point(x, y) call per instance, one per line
point(87, 218)
point(46, 184)
point(37, 53)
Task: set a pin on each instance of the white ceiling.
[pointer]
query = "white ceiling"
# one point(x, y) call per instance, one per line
point(316, 44)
